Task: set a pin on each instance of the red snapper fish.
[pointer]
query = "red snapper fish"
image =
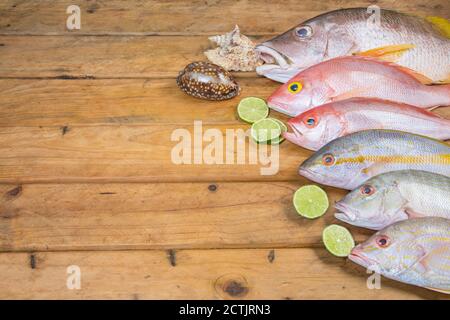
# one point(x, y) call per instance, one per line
point(347, 77)
point(414, 42)
point(415, 251)
point(316, 127)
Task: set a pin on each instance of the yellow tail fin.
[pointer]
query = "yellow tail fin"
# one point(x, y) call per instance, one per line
point(441, 24)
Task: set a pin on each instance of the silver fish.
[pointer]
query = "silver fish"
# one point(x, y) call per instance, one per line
point(396, 196)
point(349, 161)
point(418, 43)
point(415, 251)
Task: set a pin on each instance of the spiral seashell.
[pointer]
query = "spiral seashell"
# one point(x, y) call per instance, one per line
point(235, 52)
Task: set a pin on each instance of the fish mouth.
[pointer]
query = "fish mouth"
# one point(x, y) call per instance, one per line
point(297, 132)
point(357, 257)
point(295, 136)
point(276, 65)
point(272, 57)
point(345, 212)
point(280, 107)
point(318, 177)
point(310, 174)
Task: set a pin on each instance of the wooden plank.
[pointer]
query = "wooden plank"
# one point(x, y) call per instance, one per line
point(61, 103)
point(98, 56)
point(161, 215)
point(195, 274)
point(133, 153)
point(182, 17)
point(53, 102)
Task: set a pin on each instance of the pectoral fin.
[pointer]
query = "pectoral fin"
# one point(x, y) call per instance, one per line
point(349, 94)
point(374, 169)
point(434, 263)
point(388, 53)
point(412, 214)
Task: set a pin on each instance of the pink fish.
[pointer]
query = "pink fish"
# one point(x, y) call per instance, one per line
point(355, 76)
point(316, 127)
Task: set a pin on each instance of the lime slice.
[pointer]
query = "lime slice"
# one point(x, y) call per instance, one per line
point(265, 130)
point(338, 240)
point(311, 201)
point(252, 109)
point(279, 139)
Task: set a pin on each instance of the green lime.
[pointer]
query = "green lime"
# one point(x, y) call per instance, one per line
point(311, 201)
point(338, 240)
point(252, 109)
point(265, 130)
point(279, 139)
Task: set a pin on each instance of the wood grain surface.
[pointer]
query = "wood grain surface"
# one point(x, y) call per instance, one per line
point(86, 176)
point(157, 215)
point(195, 274)
point(184, 17)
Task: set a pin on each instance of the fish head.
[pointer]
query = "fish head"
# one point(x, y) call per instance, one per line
point(314, 128)
point(390, 251)
point(374, 205)
point(293, 51)
point(330, 165)
point(303, 92)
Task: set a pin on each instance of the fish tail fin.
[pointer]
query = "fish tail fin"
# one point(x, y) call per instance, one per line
point(441, 24)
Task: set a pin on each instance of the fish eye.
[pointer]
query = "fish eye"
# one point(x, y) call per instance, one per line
point(311, 122)
point(328, 160)
point(304, 32)
point(367, 190)
point(383, 241)
point(295, 87)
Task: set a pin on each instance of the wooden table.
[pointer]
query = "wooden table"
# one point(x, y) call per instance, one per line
point(86, 118)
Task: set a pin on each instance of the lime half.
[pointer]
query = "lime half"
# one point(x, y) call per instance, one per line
point(279, 139)
point(265, 130)
point(252, 109)
point(338, 240)
point(311, 201)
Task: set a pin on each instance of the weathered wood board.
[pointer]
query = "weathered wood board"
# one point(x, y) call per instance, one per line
point(195, 274)
point(157, 215)
point(183, 17)
point(87, 177)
